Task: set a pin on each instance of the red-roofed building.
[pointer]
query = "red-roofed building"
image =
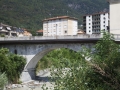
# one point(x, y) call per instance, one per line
point(39, 32)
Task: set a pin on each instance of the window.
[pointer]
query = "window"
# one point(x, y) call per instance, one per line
point(55, 25)
point(89, 23)
point(1, 27)
point(60, 25)
point(65, 26)
point(89, 31)
point(15, 51)
point(65, 31)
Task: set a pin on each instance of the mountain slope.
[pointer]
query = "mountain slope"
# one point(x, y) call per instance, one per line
point(30, 13)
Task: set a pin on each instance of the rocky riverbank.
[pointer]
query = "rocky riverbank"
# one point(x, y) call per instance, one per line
point(42, 79)
point(32, 85)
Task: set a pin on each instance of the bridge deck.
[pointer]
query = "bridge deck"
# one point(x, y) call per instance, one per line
point(84, 38)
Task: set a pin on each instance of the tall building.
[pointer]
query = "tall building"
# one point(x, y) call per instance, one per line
point(114, 16)
point(94, 23)
point(62, 25)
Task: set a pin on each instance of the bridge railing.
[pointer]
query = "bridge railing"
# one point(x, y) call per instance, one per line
point(82, 36)
point(52, 37)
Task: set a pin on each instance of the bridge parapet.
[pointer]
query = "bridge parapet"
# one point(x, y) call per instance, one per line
point(82, 36)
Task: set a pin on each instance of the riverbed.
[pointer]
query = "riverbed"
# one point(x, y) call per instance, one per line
point(39, 87)
point(42, 79)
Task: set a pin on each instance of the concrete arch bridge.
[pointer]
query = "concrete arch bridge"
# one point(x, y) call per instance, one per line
point(34, 48)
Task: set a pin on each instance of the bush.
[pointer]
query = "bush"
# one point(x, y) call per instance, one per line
point(11, 64)
point(3, 80)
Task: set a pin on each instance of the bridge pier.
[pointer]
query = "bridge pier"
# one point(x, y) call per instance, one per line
point(28, 75)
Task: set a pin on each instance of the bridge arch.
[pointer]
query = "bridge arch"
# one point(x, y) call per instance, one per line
point(46, 49)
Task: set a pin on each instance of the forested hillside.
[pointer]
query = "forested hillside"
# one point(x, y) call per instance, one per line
point(30, 13)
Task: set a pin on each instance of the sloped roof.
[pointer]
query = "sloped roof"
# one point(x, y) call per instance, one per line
point(80, 32)
point(40, 31)
point(96, 13)
point(1, 24)
point(60, 17)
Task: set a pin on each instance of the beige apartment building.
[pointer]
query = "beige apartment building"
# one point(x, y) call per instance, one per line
point(62, 25)
point(114, 16)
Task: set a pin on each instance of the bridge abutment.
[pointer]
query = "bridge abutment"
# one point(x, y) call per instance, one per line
point(28, 75)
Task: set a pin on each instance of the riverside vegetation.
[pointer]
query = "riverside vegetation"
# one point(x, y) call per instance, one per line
point(71, 71)
point(11, 66)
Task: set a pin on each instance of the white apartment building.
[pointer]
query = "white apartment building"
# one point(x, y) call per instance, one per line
point(94, 23)
point(62, 25)
point(114, 16)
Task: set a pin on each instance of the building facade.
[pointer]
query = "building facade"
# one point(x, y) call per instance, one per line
point(94, 23)
point(7, 30)
point(114, 16)
point(62, 25)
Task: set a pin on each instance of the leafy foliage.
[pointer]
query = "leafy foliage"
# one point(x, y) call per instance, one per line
point(11, 64)
point(106, 62)
point(101, 72)
point(53, 57)
point(3, 80)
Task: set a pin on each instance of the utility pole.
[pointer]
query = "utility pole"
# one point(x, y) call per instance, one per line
point(56, 31)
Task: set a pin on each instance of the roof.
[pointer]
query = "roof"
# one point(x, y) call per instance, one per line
point(40, 31)
point(26, 33)
point(80, 32)
point(60, 17)
point(1, 24)
point(96, 13)
point(19, 30)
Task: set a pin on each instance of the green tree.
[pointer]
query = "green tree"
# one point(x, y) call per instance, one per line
point(11, 64)
point(3, 80)
point(53, 57)
point(17, 65)
point(106, 62)
point(101, 72)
